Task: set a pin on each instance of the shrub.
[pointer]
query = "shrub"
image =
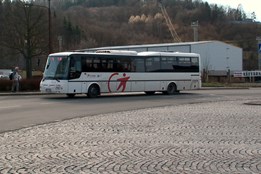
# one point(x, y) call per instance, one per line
point(5, 85)
point(30, 85)
point(25, 85)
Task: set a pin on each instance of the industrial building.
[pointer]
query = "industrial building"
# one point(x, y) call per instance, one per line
point(217, 58)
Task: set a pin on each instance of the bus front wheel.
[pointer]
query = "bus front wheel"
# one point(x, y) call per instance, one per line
point(172, 89)
point(93, 91)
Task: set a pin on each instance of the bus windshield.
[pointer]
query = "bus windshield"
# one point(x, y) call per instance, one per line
point(57, 68)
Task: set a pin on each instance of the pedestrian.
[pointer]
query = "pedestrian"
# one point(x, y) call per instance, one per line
point(15, 79)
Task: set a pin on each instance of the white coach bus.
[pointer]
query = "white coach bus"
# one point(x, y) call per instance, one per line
point(111, 71)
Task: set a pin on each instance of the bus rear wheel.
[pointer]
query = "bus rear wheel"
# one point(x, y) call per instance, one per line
point(172, 89)
point(93, 91)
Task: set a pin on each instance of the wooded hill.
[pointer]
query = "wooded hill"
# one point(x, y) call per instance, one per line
point(94, 23)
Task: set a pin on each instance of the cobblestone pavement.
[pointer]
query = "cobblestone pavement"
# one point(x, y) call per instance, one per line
point(214, 137)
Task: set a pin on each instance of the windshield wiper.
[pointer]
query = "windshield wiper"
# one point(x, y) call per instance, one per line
point(51, 78)
point(56, 79)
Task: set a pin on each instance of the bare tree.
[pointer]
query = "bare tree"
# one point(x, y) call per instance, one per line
point(26, 31)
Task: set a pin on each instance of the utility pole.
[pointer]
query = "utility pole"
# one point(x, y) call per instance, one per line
point(49, 26)
point(259, 51)
point(195, 26)
point(60, 40)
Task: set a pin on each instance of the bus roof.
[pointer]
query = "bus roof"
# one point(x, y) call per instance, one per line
point(154, 53)
point(99, 52)
point(118, 52)
point(127, 53)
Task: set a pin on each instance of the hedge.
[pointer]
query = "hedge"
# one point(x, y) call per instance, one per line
point(25, 85)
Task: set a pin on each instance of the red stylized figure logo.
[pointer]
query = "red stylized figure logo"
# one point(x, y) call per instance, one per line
point(123, 81)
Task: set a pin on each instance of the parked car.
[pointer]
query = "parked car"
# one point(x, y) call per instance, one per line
point(4, 77)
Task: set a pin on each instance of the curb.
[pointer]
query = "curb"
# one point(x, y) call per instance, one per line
point(222, 88)
point(20, 93)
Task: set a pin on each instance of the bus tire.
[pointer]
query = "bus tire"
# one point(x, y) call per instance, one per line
point(70, 95)
point(171, 89)
point(93, 91)
point(149, 92)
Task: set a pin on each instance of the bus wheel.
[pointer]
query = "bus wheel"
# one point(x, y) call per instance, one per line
point(172, 89)
point(149, 92)
point(70, 95)
point(93, 91)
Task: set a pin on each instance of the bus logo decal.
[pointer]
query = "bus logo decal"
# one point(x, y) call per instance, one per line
point(123, 81)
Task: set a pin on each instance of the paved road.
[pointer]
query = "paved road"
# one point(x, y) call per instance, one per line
point(19, 111)
point(213, 132)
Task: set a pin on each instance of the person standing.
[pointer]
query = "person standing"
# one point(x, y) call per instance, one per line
point(16, 80)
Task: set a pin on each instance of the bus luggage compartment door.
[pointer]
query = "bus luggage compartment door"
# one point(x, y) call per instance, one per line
point(74, 87)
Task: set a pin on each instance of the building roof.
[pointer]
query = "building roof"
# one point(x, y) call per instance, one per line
point(153, 45)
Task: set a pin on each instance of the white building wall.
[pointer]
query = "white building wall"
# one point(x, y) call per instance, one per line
point(219, 56)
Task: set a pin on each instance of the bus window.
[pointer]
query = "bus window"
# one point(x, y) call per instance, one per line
point(75, 67)
point(194, 61)
point(187, 64)
point(96, 64)
point(168, 63)
point(86, 64)
point(57, 67)
point(123, 65)
point(184, 61)
point(137, 65)
point(152, 64)
point(106, 65)
point(194, 64)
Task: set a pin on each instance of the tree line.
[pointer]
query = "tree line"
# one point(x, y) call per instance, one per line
point(81, 24)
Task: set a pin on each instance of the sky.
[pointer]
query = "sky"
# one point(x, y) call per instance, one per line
point(249, 6)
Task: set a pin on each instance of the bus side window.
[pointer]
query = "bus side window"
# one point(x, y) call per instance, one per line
point(194, 64)
point(153, 64)
point(123, 65)
point(167, 64)
point(86, 64)
point(96, 65)
point(75, 67)
point(138, 65)
point(174, 64)
point(106, 65)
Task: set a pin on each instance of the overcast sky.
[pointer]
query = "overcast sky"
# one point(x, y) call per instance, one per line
point(249, 6)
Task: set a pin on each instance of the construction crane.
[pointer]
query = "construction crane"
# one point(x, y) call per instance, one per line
point(172, 30)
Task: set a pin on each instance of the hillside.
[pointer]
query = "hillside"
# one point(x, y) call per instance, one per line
point(94, 23)
point(139, 22)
